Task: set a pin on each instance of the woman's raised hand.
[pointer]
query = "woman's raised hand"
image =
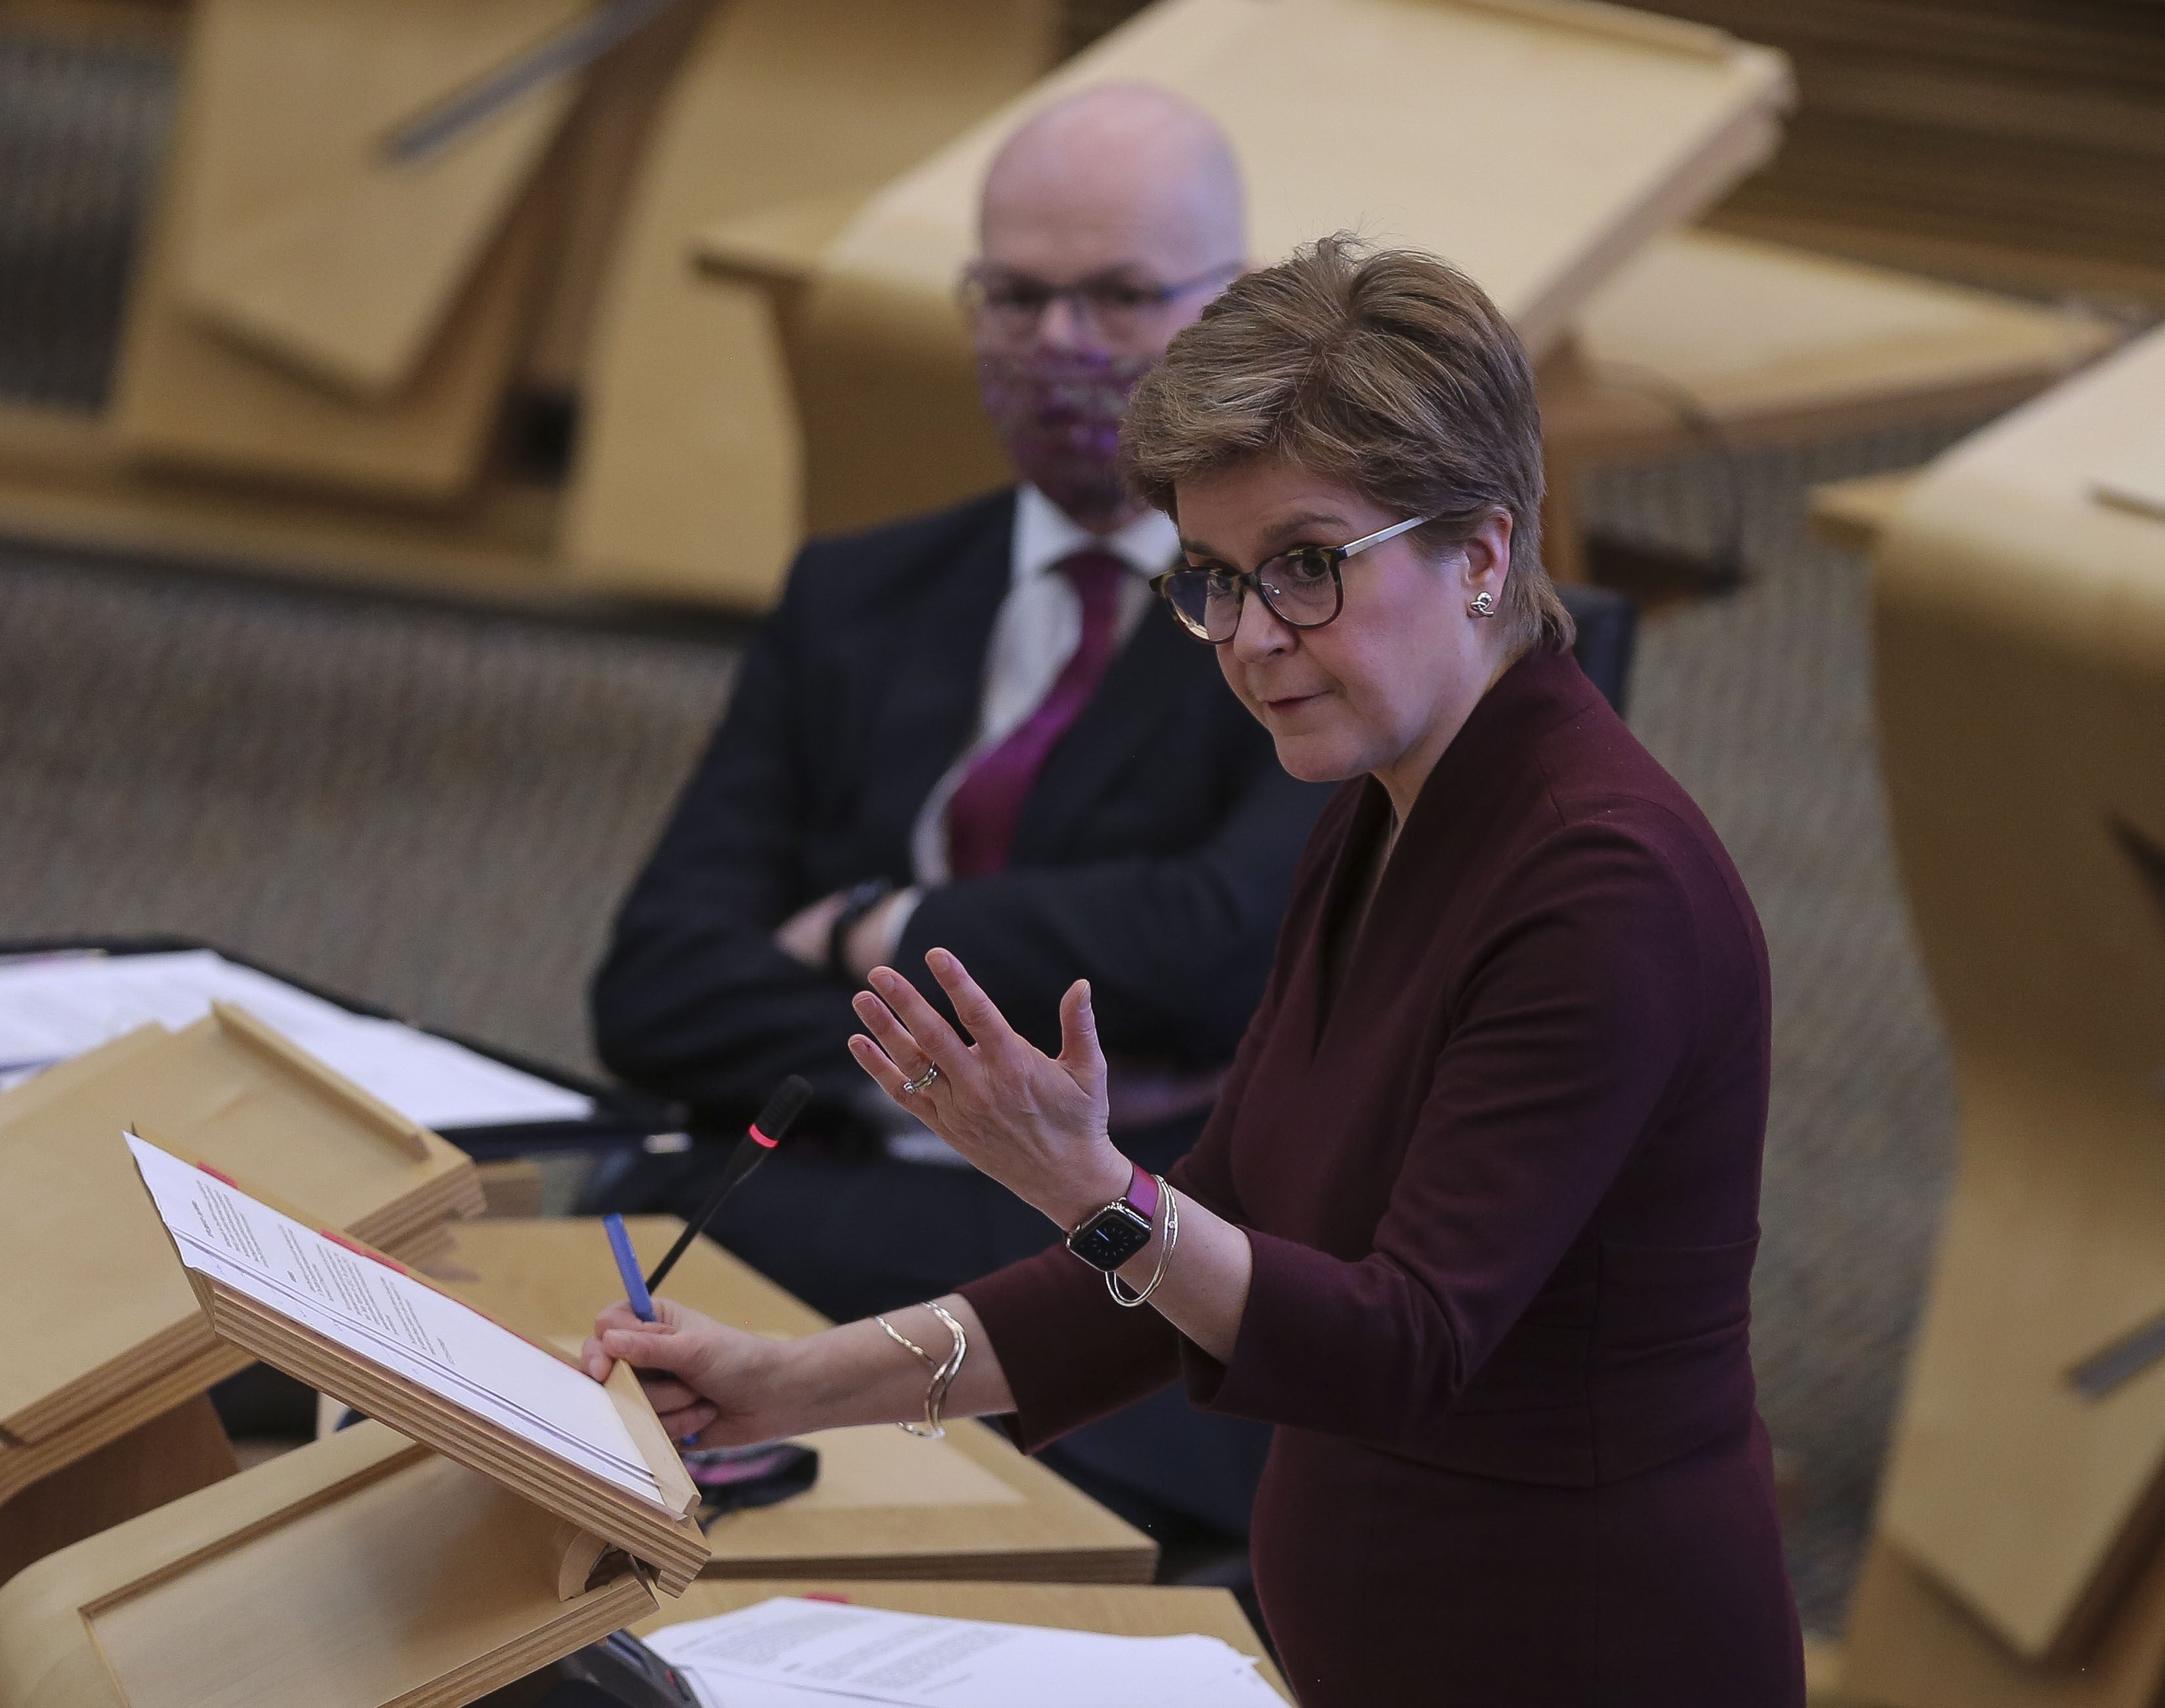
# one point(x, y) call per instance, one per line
point(711, 1385)
point(1034, 1122)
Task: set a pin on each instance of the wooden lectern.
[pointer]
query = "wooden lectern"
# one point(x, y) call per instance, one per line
point(79, 1246)
point(360, 1572)
point(2020, 624)
point(364, 1570)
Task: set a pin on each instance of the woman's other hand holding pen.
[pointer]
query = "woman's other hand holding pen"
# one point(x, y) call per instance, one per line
point(715, 1386)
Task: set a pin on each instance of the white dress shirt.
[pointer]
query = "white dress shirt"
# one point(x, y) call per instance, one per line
point(1038, 628)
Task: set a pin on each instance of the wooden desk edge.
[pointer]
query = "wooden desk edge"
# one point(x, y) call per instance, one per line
point(1854, 513)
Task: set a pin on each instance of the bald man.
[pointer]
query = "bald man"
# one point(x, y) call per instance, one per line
point(973, 730)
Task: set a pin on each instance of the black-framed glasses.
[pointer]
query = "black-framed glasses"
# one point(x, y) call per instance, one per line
point(1009, 305)
point(1303, 587)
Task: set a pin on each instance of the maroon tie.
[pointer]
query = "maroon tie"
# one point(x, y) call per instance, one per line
point(983, 811)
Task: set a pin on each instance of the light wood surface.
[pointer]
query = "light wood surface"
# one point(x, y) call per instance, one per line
point(1770, 342)
point(607, 142)
point(687, 479)
point(512, 1186)
point(185, 394)
point(175, 1454)
point(886, 1505)
point(66, 480)
point(315, 251)
point(2020, 634)
point(80, 1243)
point(359, 1572)
point(1854, 513)
point(1911, 1645)
point(1538, 146)
point(1133, 1611)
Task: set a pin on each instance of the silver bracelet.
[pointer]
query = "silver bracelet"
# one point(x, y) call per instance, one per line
point(944, 1371)
point(1164, 1252)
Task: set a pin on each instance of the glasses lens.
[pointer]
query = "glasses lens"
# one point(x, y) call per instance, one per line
point(1203, 610)
point(1301, 586)
point(1121, 312)
point(1007, 304)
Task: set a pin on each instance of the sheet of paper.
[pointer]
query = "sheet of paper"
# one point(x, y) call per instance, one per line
point(791, 1653)
point(383, 1314)
point(55, 1007)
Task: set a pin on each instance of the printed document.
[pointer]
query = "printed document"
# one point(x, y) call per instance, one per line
point(375, 1310)
point(53, 1007)
point(791, 1653)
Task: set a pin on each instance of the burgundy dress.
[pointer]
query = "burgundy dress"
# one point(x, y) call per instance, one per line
point(1500, 1171)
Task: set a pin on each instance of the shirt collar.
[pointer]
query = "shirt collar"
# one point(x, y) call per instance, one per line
point(1044, 534)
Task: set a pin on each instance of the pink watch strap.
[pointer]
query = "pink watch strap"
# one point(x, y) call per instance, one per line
point(1142, 1192)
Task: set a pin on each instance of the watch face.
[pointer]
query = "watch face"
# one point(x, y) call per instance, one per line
point(1110, 1237)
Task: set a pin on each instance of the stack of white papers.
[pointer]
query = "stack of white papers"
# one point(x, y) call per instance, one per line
point(793, 1653)
point(55, 1007)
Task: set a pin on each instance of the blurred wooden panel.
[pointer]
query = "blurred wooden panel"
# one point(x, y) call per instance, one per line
point(1768, 340)
point(2020, 637)
point(171, 1456)
point(688, 476)
point(188, 395)
point(309, 247)
point(1538, 144)
point(611, 131)
point(2015, 142)
point(1911, 1645)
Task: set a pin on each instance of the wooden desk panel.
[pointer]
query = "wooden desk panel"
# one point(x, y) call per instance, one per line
point(886, 1505)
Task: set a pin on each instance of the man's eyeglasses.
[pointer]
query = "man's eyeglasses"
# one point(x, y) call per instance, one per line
point(1303, 587)
point(1009, 305)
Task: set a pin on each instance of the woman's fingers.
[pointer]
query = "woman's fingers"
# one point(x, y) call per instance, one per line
point(874, 1060)
point(889, 1033)
point(687, 1423)
point(1080, 1052)
point(972, 1007)
point(931, 1034)
point(650, 1347)
point(667, 1395)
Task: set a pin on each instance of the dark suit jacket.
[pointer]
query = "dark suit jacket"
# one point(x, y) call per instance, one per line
point(1153, 855)
point(1497, 1156)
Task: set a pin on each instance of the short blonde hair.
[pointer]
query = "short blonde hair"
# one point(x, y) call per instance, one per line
point(1388, 372)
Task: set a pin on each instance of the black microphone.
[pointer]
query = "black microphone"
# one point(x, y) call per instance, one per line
point(782, 1111)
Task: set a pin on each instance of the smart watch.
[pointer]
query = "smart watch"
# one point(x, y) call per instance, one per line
point(1107, 1238)
point(858, 900)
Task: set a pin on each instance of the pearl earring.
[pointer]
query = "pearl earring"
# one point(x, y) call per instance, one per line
point(1484, 606)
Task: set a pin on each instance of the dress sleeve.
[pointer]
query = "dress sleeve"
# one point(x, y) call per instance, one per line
point(1579, 1019)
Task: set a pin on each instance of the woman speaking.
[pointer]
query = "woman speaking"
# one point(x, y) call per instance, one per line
point(1474, 1222)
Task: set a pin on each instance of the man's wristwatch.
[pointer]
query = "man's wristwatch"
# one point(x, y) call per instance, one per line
point(1107, 1238)
point(857, 900)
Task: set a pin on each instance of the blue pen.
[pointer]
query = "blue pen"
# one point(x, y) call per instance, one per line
point(626, 1265)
